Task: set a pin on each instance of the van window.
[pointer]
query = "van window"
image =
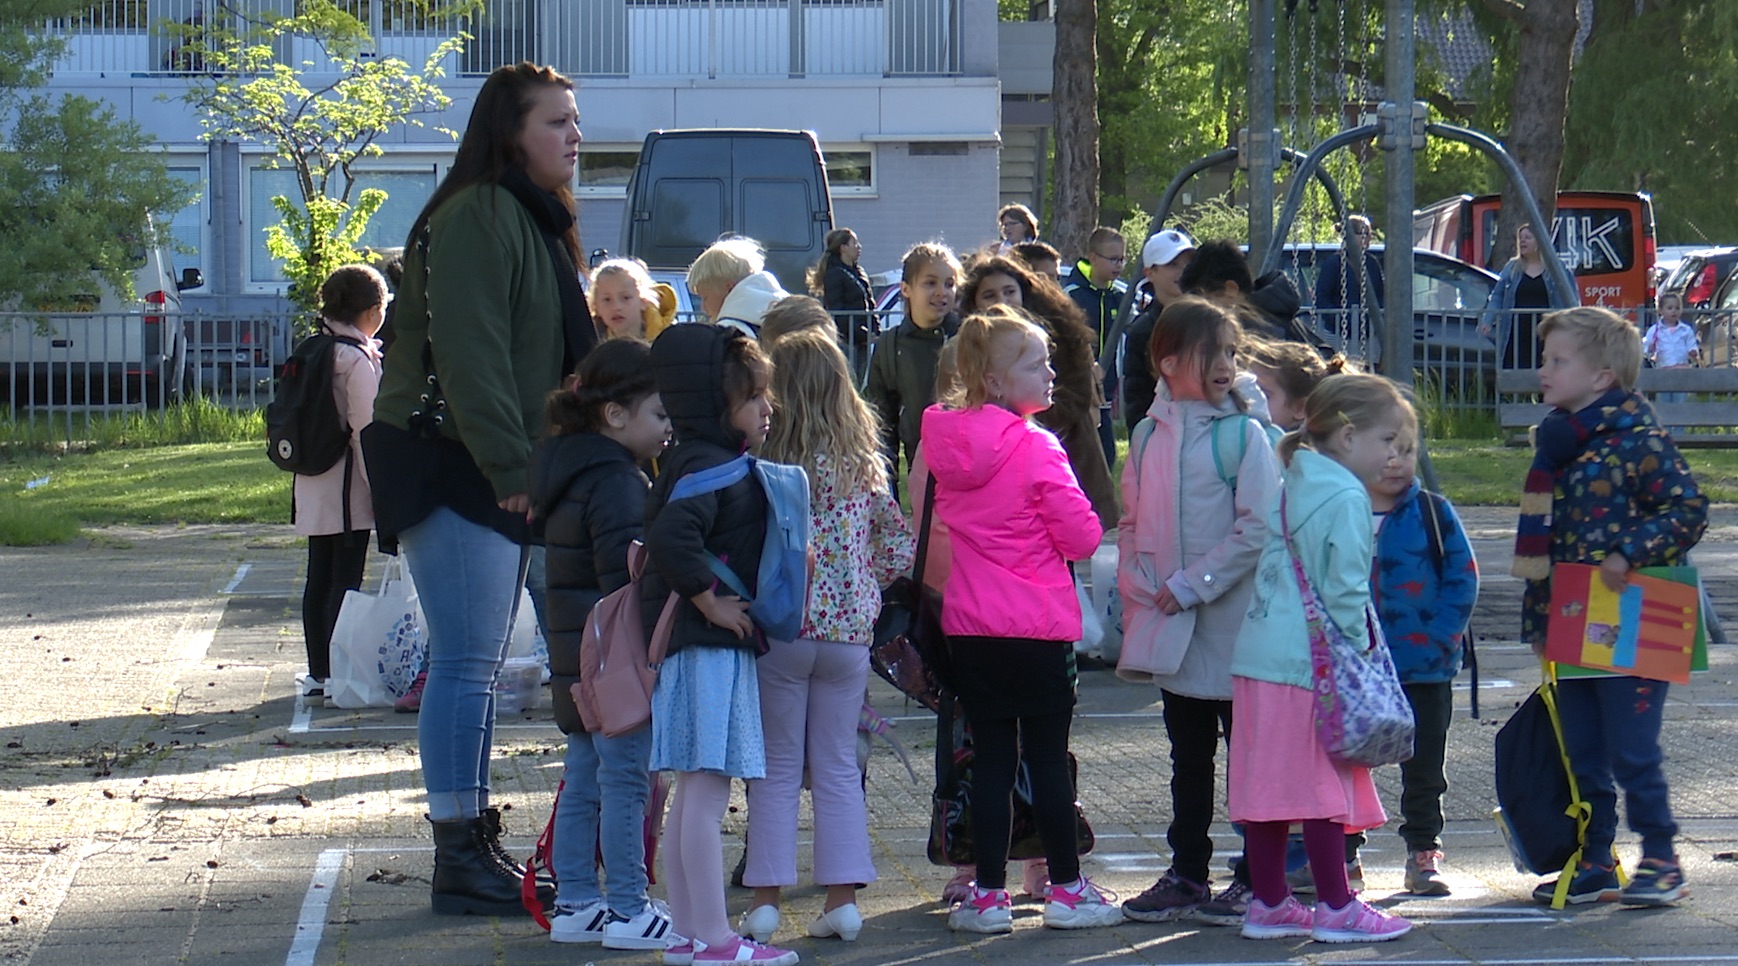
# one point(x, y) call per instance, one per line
point(687, 212)
point(1591, 241)
point(778, 214)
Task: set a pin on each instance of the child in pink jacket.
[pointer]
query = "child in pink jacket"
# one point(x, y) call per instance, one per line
point(1017, 516)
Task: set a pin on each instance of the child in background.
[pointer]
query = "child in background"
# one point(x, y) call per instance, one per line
point(1671, 343)
point(706, 721)
point(902, 368)
point(1016, 516)
point(588, 497)
point(335, 510)
point(1607, 487)
point(1287, 373)
point(795, 313)
point(811, 689)
point(1280, 774)
point(1195, 491)
point(1425, 581)
point(627, 304)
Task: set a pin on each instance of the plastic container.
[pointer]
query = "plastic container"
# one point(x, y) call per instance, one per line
point(519, 686)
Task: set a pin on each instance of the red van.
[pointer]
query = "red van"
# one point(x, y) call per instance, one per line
point(1606, 239)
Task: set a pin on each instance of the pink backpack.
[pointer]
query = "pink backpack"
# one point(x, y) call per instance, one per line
point(617, 667)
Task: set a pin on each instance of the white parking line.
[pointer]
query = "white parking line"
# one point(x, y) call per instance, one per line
point(312, 924)
point(240, 575)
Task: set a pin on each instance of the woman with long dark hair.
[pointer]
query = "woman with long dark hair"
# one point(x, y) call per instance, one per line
point(490, 316)
point(839, 281)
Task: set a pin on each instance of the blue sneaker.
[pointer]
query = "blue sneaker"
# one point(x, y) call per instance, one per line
point(1657, 882)
point(1591, 883)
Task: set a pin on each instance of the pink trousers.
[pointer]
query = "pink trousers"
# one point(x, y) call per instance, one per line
point(810, 695)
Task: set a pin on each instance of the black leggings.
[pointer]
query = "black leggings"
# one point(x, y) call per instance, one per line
point(335, 563)
point(998, 745)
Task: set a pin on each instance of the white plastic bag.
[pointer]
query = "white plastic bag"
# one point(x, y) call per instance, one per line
point(526, 642)
point(378, 642)
point(1091, 628)
point(1107, 602)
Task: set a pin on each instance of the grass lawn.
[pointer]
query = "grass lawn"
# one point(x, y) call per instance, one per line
point(235, 483)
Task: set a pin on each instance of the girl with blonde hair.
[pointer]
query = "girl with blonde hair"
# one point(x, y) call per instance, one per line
point(627, 304)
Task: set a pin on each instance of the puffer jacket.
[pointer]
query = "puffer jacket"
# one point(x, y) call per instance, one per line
point(1424, 602)
point(588, 497)
point(1329, 511)
point(747, 303)
point(1184, 526)
point(1016, 517)
point(688, 363)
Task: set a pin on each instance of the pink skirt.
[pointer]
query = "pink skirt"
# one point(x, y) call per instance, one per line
point(1279, 771)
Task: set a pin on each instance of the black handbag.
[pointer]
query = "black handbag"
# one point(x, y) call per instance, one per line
point(951, 839)
point(909, 649)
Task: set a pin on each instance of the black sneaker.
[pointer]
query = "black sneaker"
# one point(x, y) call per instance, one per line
point(1226, 908)
point(1172, 897)
point(1656, 882)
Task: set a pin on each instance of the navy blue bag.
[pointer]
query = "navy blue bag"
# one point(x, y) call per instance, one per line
point(1540, 812)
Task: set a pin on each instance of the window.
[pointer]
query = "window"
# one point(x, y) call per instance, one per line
point(187, 226)
point(605, 173)
point(850, 171)
point(407, 186)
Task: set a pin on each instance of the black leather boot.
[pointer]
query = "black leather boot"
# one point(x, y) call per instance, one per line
point(492, 829)
point(468, 879)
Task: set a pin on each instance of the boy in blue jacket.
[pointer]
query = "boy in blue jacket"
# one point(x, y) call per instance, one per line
point(1425, 583)
point(1607, 488)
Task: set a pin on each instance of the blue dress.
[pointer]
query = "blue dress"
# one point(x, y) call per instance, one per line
point(706, 714)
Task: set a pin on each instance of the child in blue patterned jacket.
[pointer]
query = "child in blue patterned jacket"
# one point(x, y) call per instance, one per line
point(1425, 583)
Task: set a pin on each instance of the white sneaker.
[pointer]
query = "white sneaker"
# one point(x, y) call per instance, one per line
point(310, 690)
point(651, 929)
point(1082, 907)
point(985, 912)
point(582, 925)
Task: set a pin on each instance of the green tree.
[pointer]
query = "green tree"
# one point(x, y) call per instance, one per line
point(318, 119)
point(77, 183)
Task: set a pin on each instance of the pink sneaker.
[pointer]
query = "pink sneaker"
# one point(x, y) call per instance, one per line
point(411, 701)
point(1283, 921)
point(1358, 922)
point(959, 888)
point(746, 951)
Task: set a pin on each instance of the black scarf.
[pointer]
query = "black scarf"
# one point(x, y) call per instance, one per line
point(553, 220)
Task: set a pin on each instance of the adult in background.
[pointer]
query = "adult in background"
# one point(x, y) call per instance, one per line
point(1524, 292)
point(491, 314)
point(734, 286)
point(839, 281)
point(1163, 258)
point(1267, 306)
point(1339, 286)
point(1095, 287)
point(1014, 224)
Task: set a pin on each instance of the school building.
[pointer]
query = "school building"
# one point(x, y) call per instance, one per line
point(930, 113)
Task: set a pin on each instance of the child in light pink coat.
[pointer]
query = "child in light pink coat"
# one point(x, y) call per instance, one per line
point(1017, 516)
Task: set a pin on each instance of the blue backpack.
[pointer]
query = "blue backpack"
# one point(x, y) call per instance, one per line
point(783, 580)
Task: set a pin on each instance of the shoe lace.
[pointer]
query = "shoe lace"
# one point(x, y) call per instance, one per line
point(1086, 888)
point(1234, 892)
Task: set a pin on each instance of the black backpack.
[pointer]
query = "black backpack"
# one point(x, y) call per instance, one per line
point(305, 432)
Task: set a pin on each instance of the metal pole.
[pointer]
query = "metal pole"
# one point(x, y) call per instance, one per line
point(1262, 121)
point(1397, 220)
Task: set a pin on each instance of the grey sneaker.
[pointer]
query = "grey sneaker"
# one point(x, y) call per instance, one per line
point(1226, 908)
point(1303, 882)
point(1172, 897)
point(1423, 878)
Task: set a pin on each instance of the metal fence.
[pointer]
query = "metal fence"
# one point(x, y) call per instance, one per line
point(644, 38)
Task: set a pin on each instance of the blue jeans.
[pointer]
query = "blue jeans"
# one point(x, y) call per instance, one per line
point(604, 789)
point(1611, 729)
point(467, 578)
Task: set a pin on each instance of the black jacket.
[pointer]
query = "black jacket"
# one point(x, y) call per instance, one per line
point(1139, 383)
point(846, 289)
point(902, 380)
point(589, 498)
point(688, 362)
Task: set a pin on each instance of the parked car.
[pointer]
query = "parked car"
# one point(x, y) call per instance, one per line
point(1448, 295)
point(103, 349)
point(1700, 274)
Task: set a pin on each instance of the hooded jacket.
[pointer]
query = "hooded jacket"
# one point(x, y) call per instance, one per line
point(902, 380)
point(1016, 517)
point(688, 363)
point(1183, 526)
point(1329, 511)
point(748, 301)
point(1424, 603)
point(589, 497)
point(1277, 301)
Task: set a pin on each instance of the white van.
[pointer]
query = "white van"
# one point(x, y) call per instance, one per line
point(114, 353)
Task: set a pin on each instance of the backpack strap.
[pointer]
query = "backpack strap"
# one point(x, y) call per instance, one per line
point(1241, 420)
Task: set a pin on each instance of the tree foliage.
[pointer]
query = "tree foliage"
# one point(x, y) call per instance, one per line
point(318, 117)
point(77, 183)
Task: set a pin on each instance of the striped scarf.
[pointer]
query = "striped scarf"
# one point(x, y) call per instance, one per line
point(1559, 438)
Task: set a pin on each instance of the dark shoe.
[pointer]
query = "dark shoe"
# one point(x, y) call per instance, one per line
point(1228, 907)
point(492, 831)
point(1590, 883)
point(1656, 882)
point(468, 879)
point(1172, 897)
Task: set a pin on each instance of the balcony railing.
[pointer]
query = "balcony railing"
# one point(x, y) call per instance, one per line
point(597, 38)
